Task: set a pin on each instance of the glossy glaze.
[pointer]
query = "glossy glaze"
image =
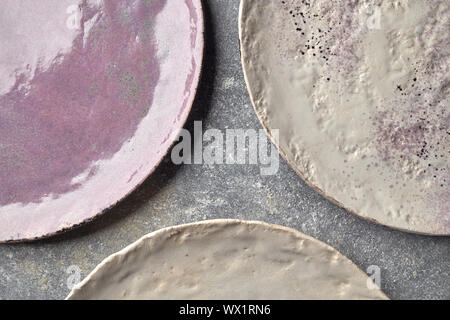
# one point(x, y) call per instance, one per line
point(92, 94)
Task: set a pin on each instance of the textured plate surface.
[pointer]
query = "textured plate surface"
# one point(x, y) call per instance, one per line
point(360, 95)
point(226, 259)
point(92, 95)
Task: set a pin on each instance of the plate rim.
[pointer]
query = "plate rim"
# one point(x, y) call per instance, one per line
point(215, 222)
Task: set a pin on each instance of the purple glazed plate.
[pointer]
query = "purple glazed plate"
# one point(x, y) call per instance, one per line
point(92, 95)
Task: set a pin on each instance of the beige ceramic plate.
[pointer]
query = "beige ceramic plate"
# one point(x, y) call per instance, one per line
point(360, 95)
point(227, 259)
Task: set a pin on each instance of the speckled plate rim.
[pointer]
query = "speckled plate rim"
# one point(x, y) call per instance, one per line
point(181, 124)
point(217, 222)
point(290, 163)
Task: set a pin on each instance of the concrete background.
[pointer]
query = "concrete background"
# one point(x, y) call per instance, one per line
point(413, 266)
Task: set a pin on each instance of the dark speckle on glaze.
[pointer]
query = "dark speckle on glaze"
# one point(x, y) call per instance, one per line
point(378, 65)
point(417, 140)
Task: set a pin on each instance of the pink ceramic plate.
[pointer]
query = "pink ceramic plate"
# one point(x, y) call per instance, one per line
point(92, 95)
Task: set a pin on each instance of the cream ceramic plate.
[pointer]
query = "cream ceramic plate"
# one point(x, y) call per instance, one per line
point(226, 259)
point(360, 95)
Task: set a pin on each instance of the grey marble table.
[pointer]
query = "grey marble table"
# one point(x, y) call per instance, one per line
point(412, 266)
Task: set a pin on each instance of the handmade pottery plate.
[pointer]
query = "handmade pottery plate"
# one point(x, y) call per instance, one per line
point(92, 95)
point(227, 259)
point(360, 94)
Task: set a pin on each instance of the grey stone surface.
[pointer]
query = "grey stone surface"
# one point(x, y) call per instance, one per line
point(413, 266)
